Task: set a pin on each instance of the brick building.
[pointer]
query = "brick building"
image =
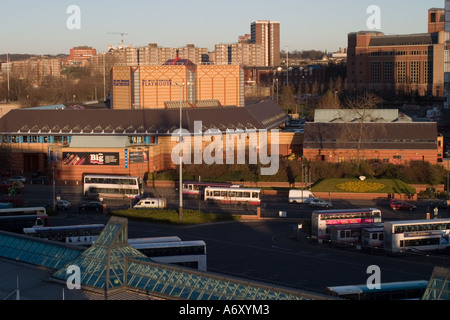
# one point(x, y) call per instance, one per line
point(381, 136)
point(131, 142)
point(393, 63)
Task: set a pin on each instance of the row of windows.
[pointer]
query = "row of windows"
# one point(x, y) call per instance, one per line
point(399, 53)
point(67, 139)
point(422, 227)
point(417, 70)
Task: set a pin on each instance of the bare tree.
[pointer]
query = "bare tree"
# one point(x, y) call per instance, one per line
point(329, 100)
point(359, 112)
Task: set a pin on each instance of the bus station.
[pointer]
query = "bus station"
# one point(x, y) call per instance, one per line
point(111, 267)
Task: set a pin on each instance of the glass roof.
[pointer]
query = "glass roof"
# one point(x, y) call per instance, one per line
point(439, 285)
point(179, 284)
point(35, 251)
point(111, 263)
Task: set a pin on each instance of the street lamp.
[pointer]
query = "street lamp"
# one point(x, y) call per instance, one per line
point(287, 66)
point(180, 182)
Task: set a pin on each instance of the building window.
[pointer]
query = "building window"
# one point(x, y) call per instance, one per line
point(428, 72)
point(388, 72)
point(376, 72)
point(415, 72)
point(401, 72)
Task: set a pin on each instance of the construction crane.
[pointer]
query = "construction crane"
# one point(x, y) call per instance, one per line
point(121, 34)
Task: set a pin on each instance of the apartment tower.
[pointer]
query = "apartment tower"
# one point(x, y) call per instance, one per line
point(267, 34)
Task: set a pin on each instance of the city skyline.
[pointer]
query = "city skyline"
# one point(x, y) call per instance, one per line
point(41, 28)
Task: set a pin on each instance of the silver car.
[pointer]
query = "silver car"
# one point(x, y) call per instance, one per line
point(315, 202)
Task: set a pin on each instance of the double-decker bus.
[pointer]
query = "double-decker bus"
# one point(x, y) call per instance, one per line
point(322, 220)
point(191, 254)
point(233, 195)
point(197, 188)
point(112, 187)
point(82, 235)
point(402, 290)
point(417, 235)
point(16, 223)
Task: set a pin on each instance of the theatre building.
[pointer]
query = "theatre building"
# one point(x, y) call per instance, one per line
point(165, 86)
point(128, 142)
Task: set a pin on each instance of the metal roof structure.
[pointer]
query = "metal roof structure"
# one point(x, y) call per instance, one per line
point(439, 285)
point(389, 135)
point(265, 115)
point(112, 266)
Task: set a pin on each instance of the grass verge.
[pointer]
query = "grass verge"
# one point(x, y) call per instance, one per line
point(390, 186)
point(171, 216)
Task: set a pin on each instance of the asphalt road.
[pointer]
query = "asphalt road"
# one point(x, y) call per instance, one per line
point(272, 250)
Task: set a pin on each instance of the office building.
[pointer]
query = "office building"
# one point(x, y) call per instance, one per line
point(398, 63)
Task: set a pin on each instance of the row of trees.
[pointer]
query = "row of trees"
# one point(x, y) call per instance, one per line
point(414, 172)
point(75, 84)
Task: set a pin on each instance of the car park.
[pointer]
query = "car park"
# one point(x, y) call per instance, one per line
point(401, 205)
point(320, 203)
point(91, 206)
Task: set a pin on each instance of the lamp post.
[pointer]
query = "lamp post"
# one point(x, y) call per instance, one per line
point(180, 180)
point(287, 66)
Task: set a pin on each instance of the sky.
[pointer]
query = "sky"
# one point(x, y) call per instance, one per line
point(40, 27)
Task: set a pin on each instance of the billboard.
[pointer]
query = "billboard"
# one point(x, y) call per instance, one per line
point(90, 158)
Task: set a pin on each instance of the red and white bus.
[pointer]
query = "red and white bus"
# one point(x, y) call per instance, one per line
point(234, 194)
point(322, 220)
point(197, 188)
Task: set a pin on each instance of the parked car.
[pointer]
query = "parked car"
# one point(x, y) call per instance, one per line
point(402, 205)
point(18, 178)
point(91, 206)
point(63, 204)
point(315, 202)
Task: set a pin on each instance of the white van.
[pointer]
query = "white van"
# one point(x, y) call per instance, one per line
point(151, 203)
point(300, 196)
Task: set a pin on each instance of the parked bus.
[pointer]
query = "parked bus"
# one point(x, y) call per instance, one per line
point(23, 211)
point(154, 240)
point(191, 254)
point(417, 235)
point(197, 188)
point(82, 235)
point(16, 223)
point(403, 290)
point(322, 220)
point(112, 186)
point(233, 195)
point(372, 237)
point(5, 205)
point(358, 235)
